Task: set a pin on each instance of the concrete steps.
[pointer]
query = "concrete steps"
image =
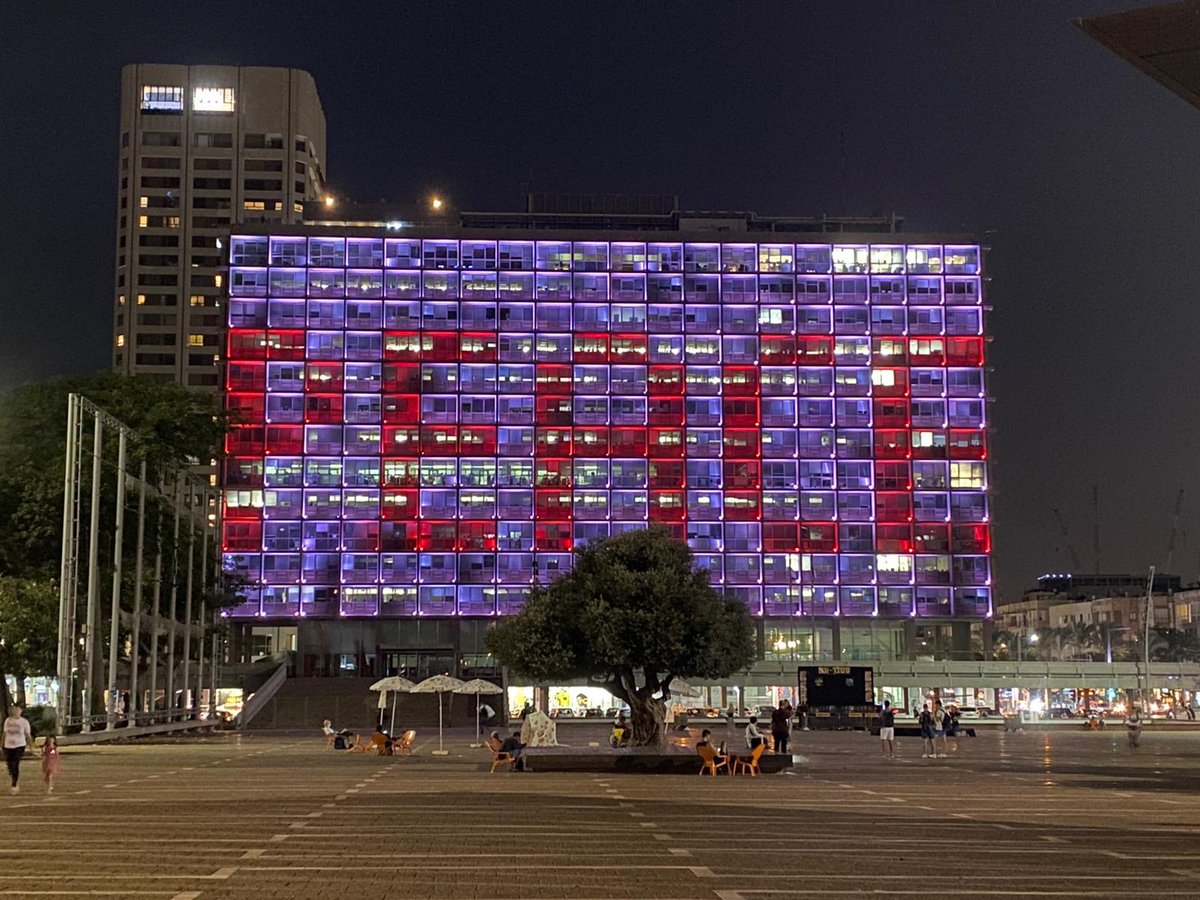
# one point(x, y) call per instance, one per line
point(350, 703)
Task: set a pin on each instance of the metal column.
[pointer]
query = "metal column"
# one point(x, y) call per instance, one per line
point(135, 619)
point(187, 600)
point(93, 585)
point(114, 624)
point(169, 705)
point(157, 601)
point(66, 578)
point(203, 602)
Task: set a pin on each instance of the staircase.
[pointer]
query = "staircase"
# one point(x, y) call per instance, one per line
point(303, 703)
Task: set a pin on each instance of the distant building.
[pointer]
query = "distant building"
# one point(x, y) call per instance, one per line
point(1106, 585)
point(201, 148)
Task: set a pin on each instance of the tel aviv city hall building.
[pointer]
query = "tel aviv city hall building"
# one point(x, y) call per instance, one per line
point(429, 418)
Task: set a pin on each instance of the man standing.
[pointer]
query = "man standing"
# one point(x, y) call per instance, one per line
point(781, 723)
point(887, 730)
point(940, 720)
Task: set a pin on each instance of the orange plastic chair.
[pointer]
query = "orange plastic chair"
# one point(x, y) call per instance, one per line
point(500, 757)
point(405, 744)
point(708, 757)
point(751, 764)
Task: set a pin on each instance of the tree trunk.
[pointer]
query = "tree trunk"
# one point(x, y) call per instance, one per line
point(647, 720)
point(20, 698)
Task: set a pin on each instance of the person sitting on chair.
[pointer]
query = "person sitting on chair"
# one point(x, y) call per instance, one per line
point(620, 732)
point(513, 747)
point(382, 738)
point(706, 741)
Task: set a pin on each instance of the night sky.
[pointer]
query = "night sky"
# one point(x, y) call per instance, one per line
point(999, 118)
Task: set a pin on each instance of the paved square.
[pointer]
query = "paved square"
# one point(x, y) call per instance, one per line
point(261, 816)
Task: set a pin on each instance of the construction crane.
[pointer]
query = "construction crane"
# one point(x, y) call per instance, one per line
point(1062, 527)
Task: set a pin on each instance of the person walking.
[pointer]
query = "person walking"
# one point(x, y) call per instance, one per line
point(940, 723)
point(887, 730)
point(781, 724)
point(926, 722)
point(51, 764)
point(17, 736)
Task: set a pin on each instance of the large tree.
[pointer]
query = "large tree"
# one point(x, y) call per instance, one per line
point(28, 632)
point(632, 614)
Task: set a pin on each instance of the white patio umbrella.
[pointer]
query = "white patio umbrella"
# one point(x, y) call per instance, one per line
point(478, 686)
point(681, 688)
point(438, 684)
point(393, 684)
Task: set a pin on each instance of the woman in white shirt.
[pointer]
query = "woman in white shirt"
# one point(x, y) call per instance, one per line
point(16, 736)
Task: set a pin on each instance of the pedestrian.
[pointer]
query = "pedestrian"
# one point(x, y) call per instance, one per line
point(754, 736)
point(887, 730)
point(781, 724)
point(1133, 728)
point(940, 721)
point(50, 762)
point(17, 736)
point(926, 721)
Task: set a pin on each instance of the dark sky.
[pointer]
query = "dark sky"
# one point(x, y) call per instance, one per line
point(994, 117)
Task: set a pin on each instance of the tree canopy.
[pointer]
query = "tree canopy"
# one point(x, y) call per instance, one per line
point(631, 615)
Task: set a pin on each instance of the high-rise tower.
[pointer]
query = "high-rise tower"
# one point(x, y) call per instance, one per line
point(202, 147)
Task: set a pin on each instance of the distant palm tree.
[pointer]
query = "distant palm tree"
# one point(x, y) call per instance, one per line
point(1174, 645)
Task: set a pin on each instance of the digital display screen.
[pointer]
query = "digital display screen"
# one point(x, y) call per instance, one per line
point(836, 685)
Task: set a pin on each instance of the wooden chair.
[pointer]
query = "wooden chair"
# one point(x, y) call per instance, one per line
point(500, 757)
point(750, 764)
point(708, 758)
point(403, 747)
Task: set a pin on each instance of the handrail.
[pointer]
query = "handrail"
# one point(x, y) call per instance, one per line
point(259, 698)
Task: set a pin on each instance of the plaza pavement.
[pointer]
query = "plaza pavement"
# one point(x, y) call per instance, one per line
point(272, 816)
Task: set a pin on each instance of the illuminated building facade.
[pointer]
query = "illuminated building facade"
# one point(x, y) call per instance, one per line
point(428, 420)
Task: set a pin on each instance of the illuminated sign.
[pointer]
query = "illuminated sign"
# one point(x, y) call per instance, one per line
point(212, 99)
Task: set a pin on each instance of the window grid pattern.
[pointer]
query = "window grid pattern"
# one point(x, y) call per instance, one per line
point(425, 426)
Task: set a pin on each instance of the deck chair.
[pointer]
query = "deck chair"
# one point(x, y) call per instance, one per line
point(499, 757)
point(329, 739)
point(708, 757)
point(750, 764)
point(403, 747)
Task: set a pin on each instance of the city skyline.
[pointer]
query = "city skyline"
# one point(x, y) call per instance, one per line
point(1078, 204)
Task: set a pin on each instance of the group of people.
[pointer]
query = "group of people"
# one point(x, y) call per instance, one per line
point(18, 737)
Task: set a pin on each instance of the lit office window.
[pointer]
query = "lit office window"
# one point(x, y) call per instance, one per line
point(160, 98)
point(212, 99)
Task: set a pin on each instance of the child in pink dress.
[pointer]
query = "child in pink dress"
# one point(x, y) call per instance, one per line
point(50, 763)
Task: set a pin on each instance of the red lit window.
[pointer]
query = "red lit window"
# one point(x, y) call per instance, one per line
point(970, 539)
point(477, 535)
point(665, 474)
point(891, 444)
point(743, 473)
point(245, 407)
point(247, 344)
point(628, 441)
point(893, 538)
point(552, 441)
point(740, 412)
point(665, 411)
point(285, 439)
point(591, 441)
point(814, 351)
point(967, 443)
point(247, 376)
point(889, 382)
point(439, 346)
point(665, 380)
point(401, 409)
point(285, 344)
point(552, 503)
point(553, 379)
point(241, 535)
point(437, 536)
point(741, 443)
point(893, 506)
point(740, 381)
point(892, 476)
point(667, 506)
point(666, 443)
point(401, 378)
point(477, 440)
point(323, 377)
point(401, 439)
point(818, 537)
point(891, 412)
point(780, 537)
point(552, 473)
point(553, 410)
point(552, 536)
point(478, 346)
point(439, 440)
point(964, 351)
point(591, 348)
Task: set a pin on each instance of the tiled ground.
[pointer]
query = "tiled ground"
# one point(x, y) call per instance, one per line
point(276, 816)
